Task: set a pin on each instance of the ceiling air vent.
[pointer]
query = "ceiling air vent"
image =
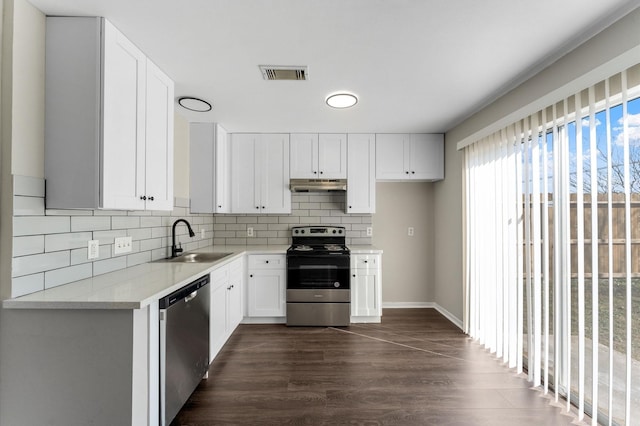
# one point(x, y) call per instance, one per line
point(279, 72)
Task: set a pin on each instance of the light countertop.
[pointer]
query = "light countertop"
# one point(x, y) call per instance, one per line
point(138, 286)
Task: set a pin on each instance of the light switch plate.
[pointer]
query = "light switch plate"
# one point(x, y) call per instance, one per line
point(122, 245)
point(93, 249)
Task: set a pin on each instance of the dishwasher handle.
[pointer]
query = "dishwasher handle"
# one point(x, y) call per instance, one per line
point(191, 296)
point(186, 293)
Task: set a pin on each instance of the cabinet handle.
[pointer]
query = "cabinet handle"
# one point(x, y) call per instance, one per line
point(321, 173)
point(407, 172)
point(263, 207)
point(143, 197)
point(315, 173)
point(354, 275)
point(258, 207)
point(251, 276)
point(266, 261)
point(150, 198)
point(413, 173)
point(219, 207)
point(350, 207)
point(366, 261)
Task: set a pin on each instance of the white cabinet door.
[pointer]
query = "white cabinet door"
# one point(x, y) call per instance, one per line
point(243, 174)
point(410, 157)
point(123, 112)
point(260, 173)
point(159, 140)
point(426, 156)
point(209, 171)
point(332, 156)
point(266, 292)
point(365, 300)
point(235, 309)
point(109, 120)
point(366, 288)
point(361, 177)
point(304, 156)
point(222, 173)
point(218, 317)
point(390, 156)
point(273, 156)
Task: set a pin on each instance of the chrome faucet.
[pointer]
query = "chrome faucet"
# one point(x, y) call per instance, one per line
point(175, 251)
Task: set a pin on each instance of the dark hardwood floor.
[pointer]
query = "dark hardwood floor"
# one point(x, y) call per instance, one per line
point(415, 368)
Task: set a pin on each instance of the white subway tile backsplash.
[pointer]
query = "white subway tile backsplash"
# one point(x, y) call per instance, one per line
point(57, 242)
point(93, 223)
point(28, 206)
point(150, 222)
point(27, 185)
point(124, 222)
point(70, 212)
point(23, 246)
point(50, 245)
point(139, 233)
point(27, 284)
point(26, 265)
point(138, 258)
point(66, 275)
point(108, 237)
point(38, 225)
point(109, 265)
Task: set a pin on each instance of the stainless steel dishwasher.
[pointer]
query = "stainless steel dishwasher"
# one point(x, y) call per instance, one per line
point(184, 345)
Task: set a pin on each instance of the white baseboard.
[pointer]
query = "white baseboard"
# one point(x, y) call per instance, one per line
point(448, 315)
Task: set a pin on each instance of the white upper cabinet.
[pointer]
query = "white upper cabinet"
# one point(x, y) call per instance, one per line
point(260, 173)
point(410, 157)
point(361, 177)
point(316, 156)
point(209, 168)
point(108, 122)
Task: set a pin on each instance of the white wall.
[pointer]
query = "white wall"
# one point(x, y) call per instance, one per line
point(407, 262)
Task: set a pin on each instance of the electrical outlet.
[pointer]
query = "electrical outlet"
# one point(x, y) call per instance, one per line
point(410, 231)
point(369, 231)
point(249, 232)
point(122, 245)
point(203, 234)
point(93, 249)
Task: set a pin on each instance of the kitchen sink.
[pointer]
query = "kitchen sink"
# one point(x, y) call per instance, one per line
point(197, 257)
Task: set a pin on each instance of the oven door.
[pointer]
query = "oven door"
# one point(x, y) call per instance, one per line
point(318, 271)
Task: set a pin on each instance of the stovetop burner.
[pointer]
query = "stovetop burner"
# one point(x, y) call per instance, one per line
point(312, 240)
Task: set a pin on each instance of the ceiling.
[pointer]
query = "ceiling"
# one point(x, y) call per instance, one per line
point(416, 65)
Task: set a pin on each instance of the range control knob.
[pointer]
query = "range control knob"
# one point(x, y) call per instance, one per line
point(295, 231)
point(339, 231)
point(302, 232)
point(334, 231)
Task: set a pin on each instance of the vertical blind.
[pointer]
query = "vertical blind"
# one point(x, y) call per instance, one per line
point(553, 248)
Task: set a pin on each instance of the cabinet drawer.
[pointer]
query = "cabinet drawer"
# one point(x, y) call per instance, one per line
point(364, 261)
point(267, 261)
point(220, 275)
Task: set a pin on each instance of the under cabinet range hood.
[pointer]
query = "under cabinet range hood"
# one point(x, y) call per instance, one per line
point(317, 185)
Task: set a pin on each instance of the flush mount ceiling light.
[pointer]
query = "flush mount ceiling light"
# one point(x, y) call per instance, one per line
point(342, 100)
point(194, 104)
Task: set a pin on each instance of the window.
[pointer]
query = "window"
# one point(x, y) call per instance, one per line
point(553, 247)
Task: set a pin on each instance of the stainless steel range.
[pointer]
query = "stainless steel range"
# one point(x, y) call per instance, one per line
point(318, 291)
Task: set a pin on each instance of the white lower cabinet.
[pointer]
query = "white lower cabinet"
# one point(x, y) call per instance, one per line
point(266, 287)
point(226, 304)
point(366, 288)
